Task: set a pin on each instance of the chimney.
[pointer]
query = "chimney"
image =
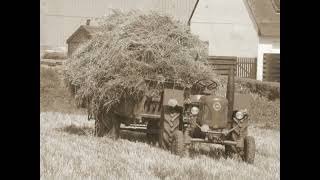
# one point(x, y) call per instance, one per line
point(88, 22)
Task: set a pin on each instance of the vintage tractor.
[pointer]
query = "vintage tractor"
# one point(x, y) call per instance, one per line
point(176, 117)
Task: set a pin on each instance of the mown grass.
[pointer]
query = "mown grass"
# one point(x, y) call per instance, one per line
point(68, 150)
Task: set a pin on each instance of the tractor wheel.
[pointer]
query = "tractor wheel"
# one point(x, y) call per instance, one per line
point(178, 143)
point(152, 137)
point(168, 126)
point(249, 149)
point(114, 131)
point(228, 151)
point(100, 128)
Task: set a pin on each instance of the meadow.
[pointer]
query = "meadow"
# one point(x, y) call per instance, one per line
point(68, 149)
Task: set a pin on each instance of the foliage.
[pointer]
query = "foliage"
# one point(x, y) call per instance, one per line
point(265, 112)
point(54, 55)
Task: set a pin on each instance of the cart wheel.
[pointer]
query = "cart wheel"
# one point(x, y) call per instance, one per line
point(152, 137)
point(99, 128)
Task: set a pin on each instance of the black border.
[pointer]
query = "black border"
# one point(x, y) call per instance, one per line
point(20, 89)
point(299, 90)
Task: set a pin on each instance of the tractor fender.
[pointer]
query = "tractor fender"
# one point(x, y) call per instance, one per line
point(177, 95)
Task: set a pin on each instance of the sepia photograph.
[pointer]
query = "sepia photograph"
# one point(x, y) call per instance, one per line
point(160, 89)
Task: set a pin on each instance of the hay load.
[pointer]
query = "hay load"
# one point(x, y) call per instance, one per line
point(133, 47)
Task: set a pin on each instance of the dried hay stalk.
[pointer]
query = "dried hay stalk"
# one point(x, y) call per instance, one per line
point(130, 48)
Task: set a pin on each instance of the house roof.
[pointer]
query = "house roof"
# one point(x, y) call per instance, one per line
point(266, 16)
point(90, 30)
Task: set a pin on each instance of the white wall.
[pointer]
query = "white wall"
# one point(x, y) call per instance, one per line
point(227, 26)
point(266, 45)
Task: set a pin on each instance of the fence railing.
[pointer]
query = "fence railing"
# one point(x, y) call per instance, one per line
point(271, 67)
point(247, 67)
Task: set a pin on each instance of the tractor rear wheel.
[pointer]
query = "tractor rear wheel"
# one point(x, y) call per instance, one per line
point(178, 143)
point(169, 124)
point(249, 149)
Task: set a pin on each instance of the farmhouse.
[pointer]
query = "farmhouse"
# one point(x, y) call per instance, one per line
point(81, 35)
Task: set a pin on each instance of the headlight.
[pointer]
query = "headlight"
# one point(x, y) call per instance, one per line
point(205, 128)
point(239, 115)
point(194, 110)
point(172, 102)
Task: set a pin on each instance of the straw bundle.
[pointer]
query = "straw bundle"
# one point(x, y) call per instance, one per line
point(131, 47)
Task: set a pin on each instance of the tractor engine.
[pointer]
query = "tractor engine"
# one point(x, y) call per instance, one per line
point(205, 113)
point(213, 112)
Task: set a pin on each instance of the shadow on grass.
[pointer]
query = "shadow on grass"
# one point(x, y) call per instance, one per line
point(212, 151)
point(76, 130)
point(207, 150)
point(134, 136)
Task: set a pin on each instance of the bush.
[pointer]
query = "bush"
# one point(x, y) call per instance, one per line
point(54, 55)
point(265, 112)
point(269, 90)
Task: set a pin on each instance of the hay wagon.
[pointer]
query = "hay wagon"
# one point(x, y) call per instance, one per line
point(176, 117)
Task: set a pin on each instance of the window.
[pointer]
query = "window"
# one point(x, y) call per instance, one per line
point(276, 5)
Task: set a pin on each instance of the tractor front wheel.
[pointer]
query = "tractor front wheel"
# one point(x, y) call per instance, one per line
point(178, 143)
point(249, 149)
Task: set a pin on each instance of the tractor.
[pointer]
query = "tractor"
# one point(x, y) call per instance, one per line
point(175, 117)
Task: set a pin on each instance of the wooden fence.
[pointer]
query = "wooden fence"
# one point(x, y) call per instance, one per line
point(271, 67)
point(222, 64)
point(247, 67)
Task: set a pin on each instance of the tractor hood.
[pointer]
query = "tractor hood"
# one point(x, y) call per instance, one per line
point(213, 111)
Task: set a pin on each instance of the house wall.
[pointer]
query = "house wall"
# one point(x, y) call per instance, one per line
point(60, 18)
point(266, 45)
point(227, 26)
point(72, 47)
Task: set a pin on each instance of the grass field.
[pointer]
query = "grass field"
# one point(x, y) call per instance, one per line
point(68, 150)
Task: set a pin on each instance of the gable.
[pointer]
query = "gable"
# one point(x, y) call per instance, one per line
point(79, 35)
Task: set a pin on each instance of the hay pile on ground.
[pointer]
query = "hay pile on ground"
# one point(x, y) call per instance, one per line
point(133, 47)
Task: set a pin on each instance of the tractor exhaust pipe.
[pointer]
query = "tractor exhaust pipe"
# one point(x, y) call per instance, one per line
point(230, 93)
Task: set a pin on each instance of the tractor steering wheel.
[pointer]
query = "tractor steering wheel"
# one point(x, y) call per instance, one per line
point(207, 84)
